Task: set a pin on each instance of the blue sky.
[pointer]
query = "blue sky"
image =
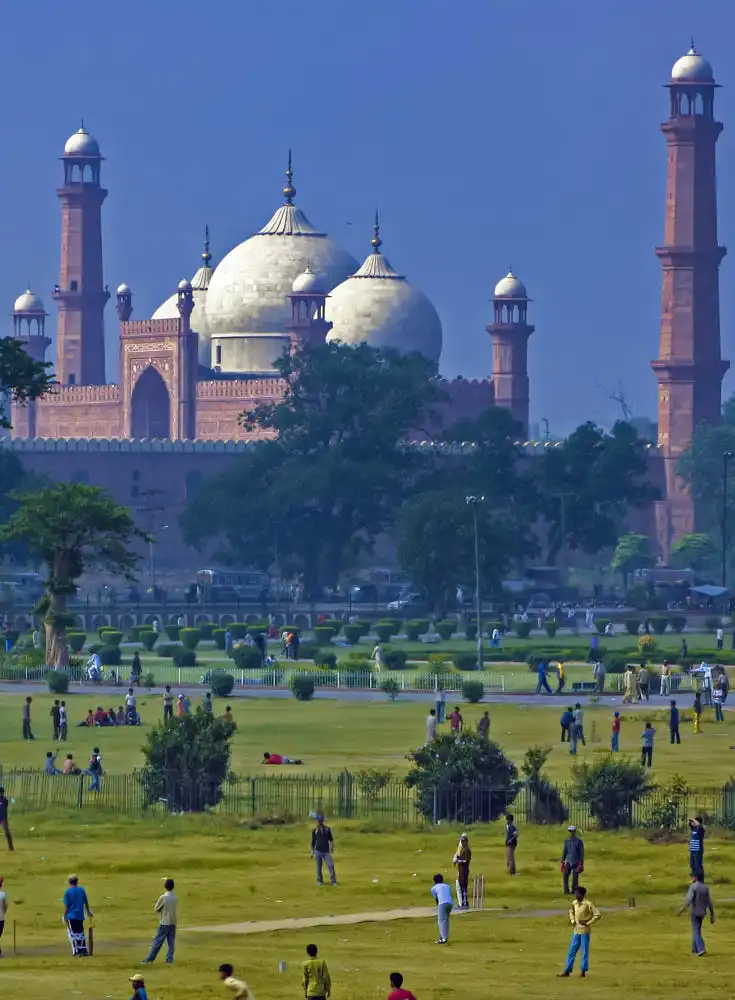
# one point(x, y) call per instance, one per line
point(489, 132)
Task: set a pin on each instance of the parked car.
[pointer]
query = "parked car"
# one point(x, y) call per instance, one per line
point(409, 602)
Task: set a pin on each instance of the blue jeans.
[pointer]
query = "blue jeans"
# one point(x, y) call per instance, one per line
point(615, 742)
point(578, 941)
point(442, 915)
point(719, 717)
point(697, 940)
point(164, 935)
point(94, 785)
point(542, 683)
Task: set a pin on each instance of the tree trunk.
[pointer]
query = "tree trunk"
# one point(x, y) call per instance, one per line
point(57, 653)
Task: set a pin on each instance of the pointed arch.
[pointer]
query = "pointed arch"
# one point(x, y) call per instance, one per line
point(151, 406)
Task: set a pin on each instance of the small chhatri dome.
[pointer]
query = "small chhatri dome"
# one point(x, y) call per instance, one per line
point(29, 303)
point(185, 285)
point(310, 281)
point(510, 287)
point(692, 68)
point(123, 289)
point(81, 144)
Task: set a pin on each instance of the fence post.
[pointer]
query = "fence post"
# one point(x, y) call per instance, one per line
point(339, 683)
point(502, 683)
point(179, 673)
point(80, 792)
point(242, 677)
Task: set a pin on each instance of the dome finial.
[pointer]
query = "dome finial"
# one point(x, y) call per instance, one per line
point(206, 256)
point(289, 191)
point(691, 45)
point(376, 240)
point(81, 125)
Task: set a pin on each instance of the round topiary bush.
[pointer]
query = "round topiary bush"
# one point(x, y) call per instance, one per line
point(166, 650)
point(711, 623)
point(323, 635)
point(148, 638)
point(333, 623)
point(110, 656)
point(659, 625)
point(632, 625)
point(58, 681)
point(238, 629)
point(465, 661)
point(302, 687)
point(522, 629)
point(601, 624)
point(184, 657)
point(364, 625)
point(190, 637)
point(247, 657)
point(384, 630)
point(206, 629)
point(219, 637)
point(352, 634)
point(446, 628)
point(76, 641)
point(395, 659)
point(172, 631)
point(473, 691)
point(470, 631)
point(550, 627)
point(221, 683)
point(678, 623)
point(112, 637)
point(413, 630)
point(308, 650)
point(326, 660)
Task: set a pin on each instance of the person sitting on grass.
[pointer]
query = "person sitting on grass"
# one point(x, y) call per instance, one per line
point(228, 716)
point(277, 758)
point(398, 993)
point(120, 716)
point(89, 721)
point(69, 766)
point(139, 990)
point(50, 767)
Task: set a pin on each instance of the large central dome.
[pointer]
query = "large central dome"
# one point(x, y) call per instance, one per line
point(249, 292)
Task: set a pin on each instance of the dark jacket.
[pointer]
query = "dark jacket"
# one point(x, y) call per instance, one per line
point(322, 839)
point(674, 718)
point(573, 851)
point(567, 718)
point(511, 835)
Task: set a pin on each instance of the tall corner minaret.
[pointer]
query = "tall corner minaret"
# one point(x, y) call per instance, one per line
point(81, 294)
point(689, 368)
point(510, 331)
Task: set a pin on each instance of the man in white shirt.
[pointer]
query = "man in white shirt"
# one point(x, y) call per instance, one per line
point(431, 726)
point(443, 896)
point(166, 905)
point(3, 909)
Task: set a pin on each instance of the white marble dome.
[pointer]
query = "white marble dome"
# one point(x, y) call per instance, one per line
point(199, 286)
point(692, 68)
point(377, 306)
point(309, 281)
point(249, 293)
point(28, 302)
point(123, 289)
point(510, 287)
point(81, 144)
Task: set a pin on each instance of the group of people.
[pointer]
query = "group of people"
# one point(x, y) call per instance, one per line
point(572, 727)
point(456, 723)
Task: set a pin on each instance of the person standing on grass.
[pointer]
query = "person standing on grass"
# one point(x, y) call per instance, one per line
point(168, 704)
point(166, 905)
point(3, 910)
point(615, 738)
point(699, 903)
point(644, 680)
point(430, 726)
point(697, 710)
point(4, 819)
point(55, 714)
point(561, 677)
point(76, 908)
point(239, 988)
point(511, 842)
point(573, 736)
point(696, 846)
point(572, 859)
point(27, 731)
point(665, 678)
point(582, 915)
point(647, 745)
point(398, 992)
point(63, 723)
point(317, 981)
point(207, 706)
point(579, 724)
point(598, 672)
point(542, 679)
point(322, 849)
point(483, 727)
point(566, 720)
point(717, 698)
point(443, 896)
point(456, 722)
point(674, 736)
point(139, 990)
point(720, 637)
point(629, 685)
point(441, 703)
point(94, 770)
point(462, 858)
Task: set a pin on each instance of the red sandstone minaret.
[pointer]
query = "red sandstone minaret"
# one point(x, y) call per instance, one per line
point(81, 294)
point(690, 367)
point(510, 332)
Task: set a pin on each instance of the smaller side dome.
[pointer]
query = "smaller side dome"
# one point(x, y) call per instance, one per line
point(81, 144)
point(123, 289)
point(510, 287)
point(184, 285)
point(692, 68)
point(29, 302)
point(309, 281)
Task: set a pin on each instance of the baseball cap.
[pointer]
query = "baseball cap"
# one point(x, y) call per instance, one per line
point(572, 828)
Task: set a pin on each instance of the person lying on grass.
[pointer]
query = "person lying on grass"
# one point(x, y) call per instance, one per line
point(277, 758)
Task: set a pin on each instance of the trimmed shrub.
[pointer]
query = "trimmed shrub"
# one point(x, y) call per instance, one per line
point(632, 625)
point(148, 638)
point(167, 649)
point(395, 623)
point(221, 683)
point(646, 645)
point(550, 627)
point(326, 660)
point(473, 691)
point(257, 627)
point(446, 628)
point(148, 680)
point(391, 688)
point(290, 628)
point(609, 788)
point(601, 624)
point(238, 629)
point(246, 658)
point(413, 630)
point(218, 635)
point(302, 687)
point(356, 661)
point(465, 661)
point(190, 637)
point(384, 630)
point(58, 681)
point(659, 625)
point(364, 625)
point(423, 624)
point(522, 629)
point(308, 650)
point(95, 647)
point(491, 626)
point(333, 623)
point(352, 634)
point(470, 631)
point(616, 663)
point(110, 656)
point(395, 659)
point(172, 631)
point(105, 628)
point(323, 635)
point(207, 629)
point(711, 623)
point(678, 623)
point(112, 637)
point(76, 641)
point(184, 657)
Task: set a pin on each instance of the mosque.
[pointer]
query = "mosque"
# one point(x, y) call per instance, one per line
point(207, 354)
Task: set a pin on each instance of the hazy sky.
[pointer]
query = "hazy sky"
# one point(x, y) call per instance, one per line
point(489, 132)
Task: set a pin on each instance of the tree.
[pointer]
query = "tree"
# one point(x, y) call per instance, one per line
point(71, 527)
point(21, 378)
point(702, 468)
point(463, 781)
point(331, 478)
point(187, 762)
point(696, 551)
point(544, 804)
point(632, 552)
point(588, 483)
point(609, 787)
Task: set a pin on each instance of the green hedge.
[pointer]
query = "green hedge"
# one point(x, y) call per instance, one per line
point(323, 635)
point(207, 628)
point(522, 629)
point(446, 628)
point(246, 657)
point(110, 656)
point(76, 641)
point(172, 631)
point(190, 637)
point(184, 657)
point(219, 637)
point(384, 631)
point(352, 634)
point(148, 638)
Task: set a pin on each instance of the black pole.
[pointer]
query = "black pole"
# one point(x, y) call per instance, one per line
point(725, 459)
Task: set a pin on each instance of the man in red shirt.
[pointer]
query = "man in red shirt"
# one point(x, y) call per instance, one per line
point(277, 758)
point(455, 721)
point(398, 993)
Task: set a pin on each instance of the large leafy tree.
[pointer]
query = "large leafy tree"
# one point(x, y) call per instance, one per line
point(21, 378)
point(632, 552)
point(330, 479)
point(696, 551)
point(71, 527)
point(587, 484)
point(709, 473)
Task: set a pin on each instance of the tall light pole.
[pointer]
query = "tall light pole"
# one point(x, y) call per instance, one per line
point(473, 502)
point(726, 456)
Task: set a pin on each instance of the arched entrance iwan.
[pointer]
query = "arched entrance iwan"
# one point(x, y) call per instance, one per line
point(151, 407)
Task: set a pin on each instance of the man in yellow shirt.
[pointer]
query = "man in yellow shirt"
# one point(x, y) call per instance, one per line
point(166, 906)
point(240, 989)
point(582, 915)
point(317, 981)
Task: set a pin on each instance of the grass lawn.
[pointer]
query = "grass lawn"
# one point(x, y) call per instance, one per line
point(228, 873)
point(332, 735)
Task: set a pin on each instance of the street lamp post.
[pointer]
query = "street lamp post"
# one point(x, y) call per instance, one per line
point(726, 456)
point(473, 502)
